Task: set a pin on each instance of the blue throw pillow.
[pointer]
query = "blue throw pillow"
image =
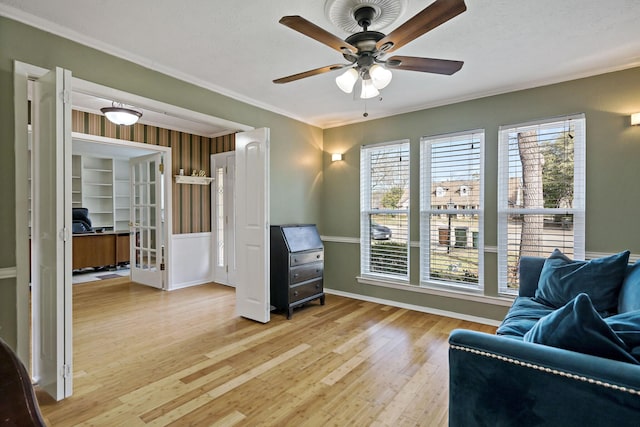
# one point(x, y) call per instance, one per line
point(562, 279)
point(627, 328)
point(523, 314)
point(629, 298)
point(578, 327)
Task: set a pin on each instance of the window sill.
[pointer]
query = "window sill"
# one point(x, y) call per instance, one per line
point(431, 290)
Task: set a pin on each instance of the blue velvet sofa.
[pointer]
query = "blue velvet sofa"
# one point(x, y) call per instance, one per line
point(522, 376)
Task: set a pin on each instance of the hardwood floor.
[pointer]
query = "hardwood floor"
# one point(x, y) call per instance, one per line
point(144, 357)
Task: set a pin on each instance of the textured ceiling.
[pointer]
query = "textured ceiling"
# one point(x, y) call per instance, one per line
point(238, 48)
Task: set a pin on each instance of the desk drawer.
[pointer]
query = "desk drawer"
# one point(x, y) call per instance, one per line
point(305, 290)
point(305, 257)
point(305, 272)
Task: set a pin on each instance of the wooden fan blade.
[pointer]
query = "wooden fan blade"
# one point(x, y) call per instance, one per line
point(310, 29)
point(426, 65)
point(438, 12)
point(310, 73)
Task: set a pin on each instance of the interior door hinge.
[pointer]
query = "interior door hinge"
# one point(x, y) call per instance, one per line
point(66, 371)
point(161, 166)
point(66, 96)
point(64, 234)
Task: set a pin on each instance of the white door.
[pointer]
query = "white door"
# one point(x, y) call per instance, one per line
point(51, 234)
point(223, 222)
point(252, 225)
point(147, 228)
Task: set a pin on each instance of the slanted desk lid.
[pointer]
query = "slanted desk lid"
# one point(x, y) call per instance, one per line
point(302, 237)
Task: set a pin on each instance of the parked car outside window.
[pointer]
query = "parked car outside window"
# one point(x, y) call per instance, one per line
point(380, 232)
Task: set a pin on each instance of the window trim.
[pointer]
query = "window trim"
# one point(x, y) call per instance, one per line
point(503, 210)
point(365, 213)
point(426, 211)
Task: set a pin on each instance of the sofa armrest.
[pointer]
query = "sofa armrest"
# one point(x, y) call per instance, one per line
point(529, 270)
point(499, 381)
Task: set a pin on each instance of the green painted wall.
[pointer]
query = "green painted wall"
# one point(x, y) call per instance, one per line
point(296, 148)
point(307, 187)
point(613, 152)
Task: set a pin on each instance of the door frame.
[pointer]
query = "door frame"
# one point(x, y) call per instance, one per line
point(22, 73)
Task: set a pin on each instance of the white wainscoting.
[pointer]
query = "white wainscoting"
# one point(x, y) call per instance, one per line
point(190, 260)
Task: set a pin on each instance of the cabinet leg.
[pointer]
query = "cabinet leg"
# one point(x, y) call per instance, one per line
point(289, 313)
point(322, 300)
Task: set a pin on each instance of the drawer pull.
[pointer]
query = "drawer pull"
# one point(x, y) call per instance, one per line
point(296, 275)
point(295, 293)
point(318, 256)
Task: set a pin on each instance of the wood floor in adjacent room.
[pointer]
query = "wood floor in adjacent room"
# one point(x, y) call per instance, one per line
point(144, 357)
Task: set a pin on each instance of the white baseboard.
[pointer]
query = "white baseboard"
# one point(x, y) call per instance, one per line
point(182, 285)
point(414, 307)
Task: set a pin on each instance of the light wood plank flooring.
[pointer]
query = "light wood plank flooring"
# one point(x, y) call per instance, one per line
point(144, 357)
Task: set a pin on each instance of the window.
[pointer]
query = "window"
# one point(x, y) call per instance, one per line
point(220, 215)
point(384, 210)
point(541, 193)
point(451, 227)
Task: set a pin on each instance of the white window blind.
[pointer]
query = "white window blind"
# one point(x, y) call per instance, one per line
point(541, 193)
point(384, 210)
point(451, 209)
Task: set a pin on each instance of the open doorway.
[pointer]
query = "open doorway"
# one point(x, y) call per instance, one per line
point(254, 184)
point(104, 171)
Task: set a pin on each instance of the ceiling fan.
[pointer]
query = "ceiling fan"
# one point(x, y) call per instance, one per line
point(365, 50)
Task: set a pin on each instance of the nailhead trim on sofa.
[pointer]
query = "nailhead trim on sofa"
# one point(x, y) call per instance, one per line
point(548, 370)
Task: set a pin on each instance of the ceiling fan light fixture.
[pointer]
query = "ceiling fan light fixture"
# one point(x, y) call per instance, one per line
point(347, 80)
point(120, 115)
point(368, 89)
point(380, 76)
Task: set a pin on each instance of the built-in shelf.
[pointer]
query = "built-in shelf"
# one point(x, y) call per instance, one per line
point(186, 179)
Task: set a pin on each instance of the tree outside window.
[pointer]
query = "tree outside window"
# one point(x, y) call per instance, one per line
point(541, 193)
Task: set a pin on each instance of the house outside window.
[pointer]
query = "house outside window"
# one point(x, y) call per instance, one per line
point(384, 210)
point(541, 193)
point(451, 227)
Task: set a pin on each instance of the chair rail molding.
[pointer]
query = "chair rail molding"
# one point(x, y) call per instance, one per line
point(8, 273)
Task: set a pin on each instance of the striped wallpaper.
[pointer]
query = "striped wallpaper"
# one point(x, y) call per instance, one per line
point(191, 203)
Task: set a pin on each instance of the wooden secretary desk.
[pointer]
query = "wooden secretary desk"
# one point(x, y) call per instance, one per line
point(297, 266)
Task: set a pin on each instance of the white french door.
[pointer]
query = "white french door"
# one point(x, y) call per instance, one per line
point(223, 224)
point(147, 216)
point(51, 234)
point(252, 225)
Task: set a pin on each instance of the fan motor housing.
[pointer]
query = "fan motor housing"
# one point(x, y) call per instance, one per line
point(365, 41)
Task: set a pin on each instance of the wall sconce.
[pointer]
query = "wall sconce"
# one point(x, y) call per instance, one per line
point(635, 119)
point(336, 157)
